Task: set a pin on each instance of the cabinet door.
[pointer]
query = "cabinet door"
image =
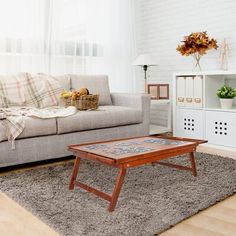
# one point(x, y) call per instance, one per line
point(189, 123)
point(180, 91)
point(221, 128)
point(197, 93)
point(189, 91)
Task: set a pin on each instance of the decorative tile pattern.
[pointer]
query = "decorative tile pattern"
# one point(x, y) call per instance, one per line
point(163, 141)
point(96, 146)
point(129, 150)
point(127, 144)
point(120, 148)
point(137, 146)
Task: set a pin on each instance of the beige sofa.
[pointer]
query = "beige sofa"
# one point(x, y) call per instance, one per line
point(119, 116)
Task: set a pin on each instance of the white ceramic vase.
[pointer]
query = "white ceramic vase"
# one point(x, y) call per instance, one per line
point(226, 103)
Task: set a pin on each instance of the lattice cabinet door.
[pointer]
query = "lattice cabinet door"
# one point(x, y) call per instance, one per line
point(189, 123)
point(221, 128)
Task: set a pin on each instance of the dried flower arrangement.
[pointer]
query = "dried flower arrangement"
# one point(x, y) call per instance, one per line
point(197, 44)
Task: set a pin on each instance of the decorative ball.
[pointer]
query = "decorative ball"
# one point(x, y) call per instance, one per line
point(83, 91)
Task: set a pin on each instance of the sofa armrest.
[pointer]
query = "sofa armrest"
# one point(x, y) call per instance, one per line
point(139, 101)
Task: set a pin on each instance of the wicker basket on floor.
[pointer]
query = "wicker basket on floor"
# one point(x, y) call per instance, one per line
point(84, 102)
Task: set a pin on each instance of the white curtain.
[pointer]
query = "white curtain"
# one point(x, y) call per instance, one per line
point(69, 36)
point(22, 34)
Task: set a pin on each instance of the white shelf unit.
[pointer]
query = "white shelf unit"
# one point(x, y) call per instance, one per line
point(160, 116)
point(196, 107)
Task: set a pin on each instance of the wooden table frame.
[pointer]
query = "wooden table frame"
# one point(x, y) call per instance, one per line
point(126, 163)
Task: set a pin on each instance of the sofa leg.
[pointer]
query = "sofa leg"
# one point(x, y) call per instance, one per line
point(74, 173)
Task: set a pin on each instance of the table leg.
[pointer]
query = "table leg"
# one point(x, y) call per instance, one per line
point(116, 191)
point(74, 173)
point(194, 170)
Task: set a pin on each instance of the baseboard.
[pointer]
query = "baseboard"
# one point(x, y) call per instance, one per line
point(34, 164)
point(217, 150)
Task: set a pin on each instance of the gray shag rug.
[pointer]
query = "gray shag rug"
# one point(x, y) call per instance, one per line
point(152, 199)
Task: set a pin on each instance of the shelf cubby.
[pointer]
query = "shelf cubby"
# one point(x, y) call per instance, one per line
point(208, 115)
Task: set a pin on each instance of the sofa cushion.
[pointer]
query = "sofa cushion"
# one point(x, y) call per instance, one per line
point(96, 84)
point(42, 90)
point(33, 127)
point(11, 92)
point(64, 81)
point(2, 132)
point(106, 116)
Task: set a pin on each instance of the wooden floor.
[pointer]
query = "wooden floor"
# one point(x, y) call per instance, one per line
point(16, 221)
point(219, 220)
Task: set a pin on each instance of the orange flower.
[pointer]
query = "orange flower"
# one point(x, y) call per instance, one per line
point(196, 43)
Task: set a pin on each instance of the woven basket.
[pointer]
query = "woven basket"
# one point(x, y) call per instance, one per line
point(84, 102)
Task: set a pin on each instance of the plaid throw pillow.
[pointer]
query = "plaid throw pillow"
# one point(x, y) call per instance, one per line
point(41, 90)
point(11, 91)
point(24, 89)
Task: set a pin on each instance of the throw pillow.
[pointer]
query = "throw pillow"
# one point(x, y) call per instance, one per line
point(41, 90)
point(11, 93)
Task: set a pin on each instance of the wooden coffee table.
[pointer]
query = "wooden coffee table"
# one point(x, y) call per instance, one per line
point(127, 153)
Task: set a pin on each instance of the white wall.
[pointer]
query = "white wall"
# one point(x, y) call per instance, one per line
point(161, 25)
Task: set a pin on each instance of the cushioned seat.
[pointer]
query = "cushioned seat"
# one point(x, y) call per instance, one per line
point(33, 127)
point(106, 116)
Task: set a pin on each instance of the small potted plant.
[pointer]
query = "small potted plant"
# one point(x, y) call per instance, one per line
point(226, 94)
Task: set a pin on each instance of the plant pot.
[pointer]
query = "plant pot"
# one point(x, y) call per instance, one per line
point(226, 103)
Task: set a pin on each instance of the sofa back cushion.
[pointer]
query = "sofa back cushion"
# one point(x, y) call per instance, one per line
point(65, 83)
point(11, 93)
point(96, 84)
